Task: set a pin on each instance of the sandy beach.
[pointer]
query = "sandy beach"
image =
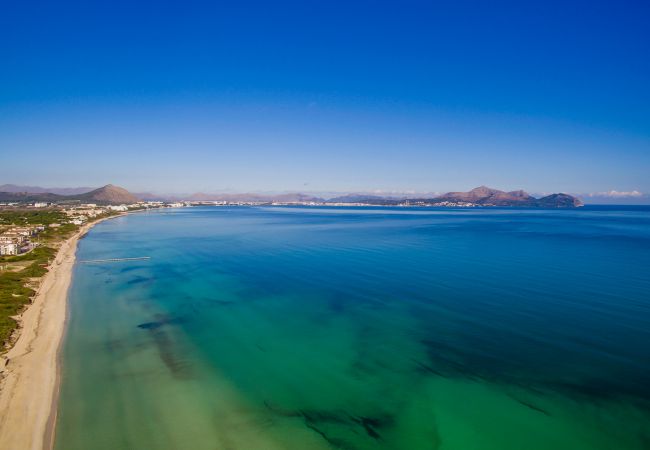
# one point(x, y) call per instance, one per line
point(29, 383)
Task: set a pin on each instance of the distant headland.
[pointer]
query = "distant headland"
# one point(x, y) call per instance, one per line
point(482, 196)
point(107, 195)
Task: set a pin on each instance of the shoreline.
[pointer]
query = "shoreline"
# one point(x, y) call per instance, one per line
point(29, 386)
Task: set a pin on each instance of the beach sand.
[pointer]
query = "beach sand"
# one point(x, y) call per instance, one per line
point(29, 382)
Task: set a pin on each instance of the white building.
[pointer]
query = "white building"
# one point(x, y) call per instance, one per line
point(8, 249)
point(12, 238)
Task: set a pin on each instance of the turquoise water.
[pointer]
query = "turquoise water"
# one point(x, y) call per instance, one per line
point(361, 328)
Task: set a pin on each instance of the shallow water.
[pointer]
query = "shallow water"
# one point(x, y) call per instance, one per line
point(361, 328)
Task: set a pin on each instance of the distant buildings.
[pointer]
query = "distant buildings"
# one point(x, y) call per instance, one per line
point(17, 240)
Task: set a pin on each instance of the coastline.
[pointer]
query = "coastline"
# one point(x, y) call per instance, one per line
point(30, 377)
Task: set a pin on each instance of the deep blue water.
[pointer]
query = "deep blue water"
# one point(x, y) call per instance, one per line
point(361, 328)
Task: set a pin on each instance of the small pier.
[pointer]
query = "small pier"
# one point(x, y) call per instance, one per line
point(97, 261)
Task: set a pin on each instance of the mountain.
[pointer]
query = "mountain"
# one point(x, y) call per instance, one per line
point(39, 190)
point(486, 196)
point(559, 201)
point(107, 195)
point(474, 196)
point(28, 197)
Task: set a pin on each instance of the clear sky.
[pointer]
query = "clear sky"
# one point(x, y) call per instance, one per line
point(326, 96)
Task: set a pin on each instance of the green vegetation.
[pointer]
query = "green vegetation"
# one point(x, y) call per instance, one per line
point(31, 217)
point(15, 292)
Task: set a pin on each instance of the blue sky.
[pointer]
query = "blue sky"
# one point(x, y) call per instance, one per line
point(326, 96)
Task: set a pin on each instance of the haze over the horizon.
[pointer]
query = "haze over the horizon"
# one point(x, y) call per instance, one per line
point(546, 97)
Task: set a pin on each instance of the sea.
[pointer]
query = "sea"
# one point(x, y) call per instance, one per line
point(349, 328)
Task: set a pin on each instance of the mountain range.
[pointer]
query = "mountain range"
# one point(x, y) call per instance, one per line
point(486, 196)
point(39, 190)
point(109, 194)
